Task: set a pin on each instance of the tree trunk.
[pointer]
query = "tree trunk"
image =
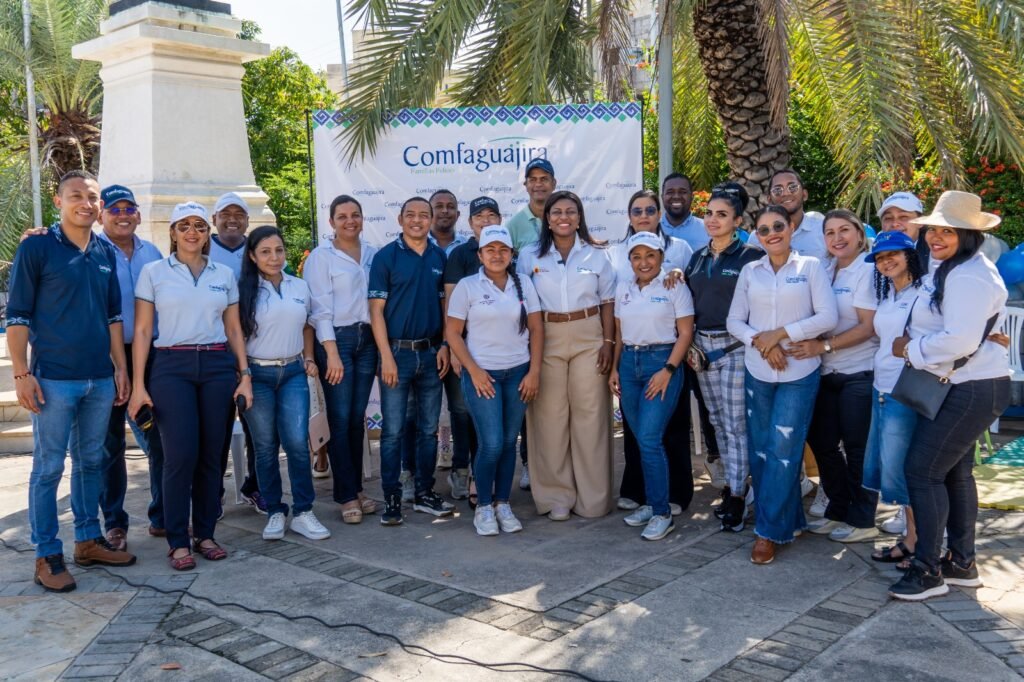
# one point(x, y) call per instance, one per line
point(734, 62)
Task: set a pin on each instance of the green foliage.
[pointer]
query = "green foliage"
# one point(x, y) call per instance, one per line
point(812, 158)
point(288, 190)
point(1001, 186)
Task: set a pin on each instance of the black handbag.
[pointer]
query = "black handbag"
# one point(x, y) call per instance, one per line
point(924, 392)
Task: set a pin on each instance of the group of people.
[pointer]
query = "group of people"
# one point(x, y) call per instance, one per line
point(803, 331)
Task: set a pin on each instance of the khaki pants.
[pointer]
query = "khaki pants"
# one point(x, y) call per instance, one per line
point(569, 426)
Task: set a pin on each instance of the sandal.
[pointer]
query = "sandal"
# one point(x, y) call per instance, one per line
point(472, 494)
point(318, 472)
point(184, 563)
point(368, 506)
point(886, 556)
point(350, 513)
point(212, 553)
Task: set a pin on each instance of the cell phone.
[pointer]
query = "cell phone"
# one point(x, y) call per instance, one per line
point(241, 404)
point(144, 418)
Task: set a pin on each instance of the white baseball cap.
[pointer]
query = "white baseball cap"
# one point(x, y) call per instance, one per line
point(904, 200)
point(189, 209)
point(230, 199)
point(495, 233)
point(648, 239)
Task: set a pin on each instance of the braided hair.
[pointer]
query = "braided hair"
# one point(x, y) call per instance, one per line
point(519, 292)
point(883, 285)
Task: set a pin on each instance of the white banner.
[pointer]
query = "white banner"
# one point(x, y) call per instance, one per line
point(595, 149)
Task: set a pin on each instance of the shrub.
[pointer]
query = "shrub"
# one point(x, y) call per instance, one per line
point(1001, 186)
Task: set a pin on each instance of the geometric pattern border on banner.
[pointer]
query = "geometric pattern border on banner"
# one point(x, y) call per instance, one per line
point(493, 116)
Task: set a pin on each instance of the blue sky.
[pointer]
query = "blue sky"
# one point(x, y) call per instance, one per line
point(310, 27)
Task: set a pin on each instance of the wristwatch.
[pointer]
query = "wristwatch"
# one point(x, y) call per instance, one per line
point(670, 368)
point(828, 346)
point(245, 372)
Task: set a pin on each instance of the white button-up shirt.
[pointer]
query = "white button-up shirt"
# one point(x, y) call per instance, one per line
point(808, 239)
point(648, 316)
point(798, 297)
point(677, 255)
point(339, 286)
point(585, 279)
point(492, 319)
point(974, 292)
point(281, 316)
point(191, 310)
point(890, 320)
point(854, 287)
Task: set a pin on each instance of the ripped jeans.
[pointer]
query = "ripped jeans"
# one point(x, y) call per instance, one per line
point(778, 416)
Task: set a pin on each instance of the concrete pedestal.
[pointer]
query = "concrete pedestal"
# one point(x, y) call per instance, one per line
point(173, 121)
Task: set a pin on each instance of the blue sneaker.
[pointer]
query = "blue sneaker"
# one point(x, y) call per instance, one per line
point(256, 500)
point(640, 517)
point(658, 527)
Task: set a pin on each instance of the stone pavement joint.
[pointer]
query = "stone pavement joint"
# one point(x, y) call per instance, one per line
point(988, 629)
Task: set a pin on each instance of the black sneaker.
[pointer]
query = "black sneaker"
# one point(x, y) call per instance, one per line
point(954, 574)
point(431, 503)
point(735, 509)
point(917, 584)
point(392, 515)
point(719, 509)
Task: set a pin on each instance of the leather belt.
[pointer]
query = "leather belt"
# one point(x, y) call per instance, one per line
point(714, 334)
point(415, 344)
point(573, 316)
point(201, 347)
point(280, 362)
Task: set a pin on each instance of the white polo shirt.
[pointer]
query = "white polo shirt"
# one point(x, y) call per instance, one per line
point(585, 279)
point(808, 239)
point(190, 310)
point(225, 256)
point(854, 287)
point(281, 316)
point(890, 319)
point(648, 316)
point(492, 319)
point(677, 255)
point(798, 297)
point(339, 286)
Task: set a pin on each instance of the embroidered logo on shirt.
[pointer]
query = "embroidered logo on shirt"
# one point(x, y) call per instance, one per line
point(435, 271)
point(796, 279)
point(841, 290)
point(300, 301)
point(659, 299)
point(625, 300)
point(537, 268)
point(218, 287)
point(730, 272)
point(105, 269)
point(584, 271)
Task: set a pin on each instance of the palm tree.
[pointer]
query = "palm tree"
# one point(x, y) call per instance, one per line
point(885, 81)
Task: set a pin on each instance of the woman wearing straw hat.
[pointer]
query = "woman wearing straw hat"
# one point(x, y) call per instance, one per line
point(967, 299)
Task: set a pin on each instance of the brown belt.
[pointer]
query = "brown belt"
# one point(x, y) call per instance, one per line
point(573, 316)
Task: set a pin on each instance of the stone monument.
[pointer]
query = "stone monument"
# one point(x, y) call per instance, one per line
point(173, 121)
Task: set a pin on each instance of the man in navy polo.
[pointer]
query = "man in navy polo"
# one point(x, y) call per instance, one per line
point(406, 291)
point(65, 301)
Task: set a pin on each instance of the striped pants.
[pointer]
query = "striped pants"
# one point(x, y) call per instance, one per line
point(722, 386)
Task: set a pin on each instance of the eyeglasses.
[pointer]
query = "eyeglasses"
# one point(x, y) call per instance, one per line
point(636, 211)
point(126, 210)
point(559, 213)
point(200, 228)
point(765, 230)
point(779, 190)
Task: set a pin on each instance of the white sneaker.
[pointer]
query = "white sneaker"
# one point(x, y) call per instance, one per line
point(716, 472)
point(626, 504)
point(820, 503)
point(506, 519)
point(308, 525)
point(806, 486)
point(855, 534)
point(274, 530)
point(484, 521)
point(748, 500)
point(897, 525)
point(676, 509)
point(524, 480)
point(408, 486)
point(825, 526)
point(458, 479)
point(658, 527)
point(640, 517)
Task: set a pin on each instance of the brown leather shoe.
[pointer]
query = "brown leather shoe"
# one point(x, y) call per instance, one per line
point(157, 532)
point(118, 539)
point(764, 551)
point(53, 575)
point(99, 551)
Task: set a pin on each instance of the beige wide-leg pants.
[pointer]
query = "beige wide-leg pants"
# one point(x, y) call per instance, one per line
point(569, 425)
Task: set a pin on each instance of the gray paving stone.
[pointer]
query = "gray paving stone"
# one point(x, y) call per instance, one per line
point(219, 643)
point(979, 612)
point(546, 634)
point(142, 618)
point(210, 633)
point(585, 607)
point(762, 671)
point(418, 593)
point(471, 608)
point(598, 600)
point(1009, 635)
point(438, 597)
point(773, 659)
point(196, 626)
point(249, 641)
point(941, 606)
point(528, 625)
point(322, 671)
point(980, 624)
point(570, 616)
point(671, 569)
point(638, 590)
point(342, 569)
point(104, 659)
point(267, 661)
point(812, 633)
point(459, 600)
point(98, 647)
point(835, 616)
point(496, 611)
point(642, 580)
point(91, 671)
point(514, 618)
point(255, 652)
point(369, 578)
point(861, 611)
point(293, 665)
point(618, 595)
point(730, 675)
point(402, 585)
point(390, 581)
point(1005, 648)
point(822, 624)
point(139, 637)
point(788, 650)
point(852, 599)
point(357, 571)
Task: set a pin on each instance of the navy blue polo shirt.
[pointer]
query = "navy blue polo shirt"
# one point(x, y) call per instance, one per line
point(462, 262)
point(412, 286)
point(712, 282)
point(68, 298)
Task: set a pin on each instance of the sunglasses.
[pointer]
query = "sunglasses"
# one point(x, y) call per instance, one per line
point(126, 210)
point(200, 228)
point(779, 190)
point(765, 230)
point(636, 211)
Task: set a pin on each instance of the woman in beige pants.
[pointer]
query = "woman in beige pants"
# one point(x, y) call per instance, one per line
point(569, 424)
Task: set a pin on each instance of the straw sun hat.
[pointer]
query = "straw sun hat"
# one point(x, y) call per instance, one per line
point(961, 210)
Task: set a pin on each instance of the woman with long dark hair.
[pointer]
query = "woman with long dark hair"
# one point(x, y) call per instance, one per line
point(338, 276)
point(275, 309)
point(948, 338)
point(569, 425)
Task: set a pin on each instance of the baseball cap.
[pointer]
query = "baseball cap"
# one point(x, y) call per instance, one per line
point(648, 239)
point(495, 233)
point(890, 241)
point(115, 193)
point(543, 164)
point(482, 204)
point(189, 209)
point(905, 200)
point(230, 199)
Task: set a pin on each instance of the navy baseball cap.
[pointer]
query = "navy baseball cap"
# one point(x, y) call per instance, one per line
point(482, 204)
point(890, 241)
point(115, 193)
point(543, 164)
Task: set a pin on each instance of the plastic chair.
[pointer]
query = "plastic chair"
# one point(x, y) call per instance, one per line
point(1012, 326)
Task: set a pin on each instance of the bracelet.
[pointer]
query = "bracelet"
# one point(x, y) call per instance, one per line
point(611, 341)
point(21, 376)
point(305, 360)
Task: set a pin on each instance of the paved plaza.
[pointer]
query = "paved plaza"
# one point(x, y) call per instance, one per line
point(587, 598)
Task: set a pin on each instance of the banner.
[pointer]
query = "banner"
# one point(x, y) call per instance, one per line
point(473, 151)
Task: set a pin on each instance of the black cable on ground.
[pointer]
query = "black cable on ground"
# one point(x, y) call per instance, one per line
point(411, 649)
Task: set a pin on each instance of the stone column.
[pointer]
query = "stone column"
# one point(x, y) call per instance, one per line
point(173, 121)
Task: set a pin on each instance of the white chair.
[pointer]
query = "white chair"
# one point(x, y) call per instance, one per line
point(1012, 326)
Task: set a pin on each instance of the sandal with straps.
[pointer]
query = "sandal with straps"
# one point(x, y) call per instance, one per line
point(886, 556)
point(368, 506)
point(213, 553)
point(184, 563)
point(351, 512)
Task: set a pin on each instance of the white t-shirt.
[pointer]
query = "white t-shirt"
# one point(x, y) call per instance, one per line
point(854, 287)
point(648, 316)
point(585, 279)
point(225, 256)
point(890, 319)
point(677, 255)
point(339, 286)
point(191, 311)
point(492, 319)
point(281, 316)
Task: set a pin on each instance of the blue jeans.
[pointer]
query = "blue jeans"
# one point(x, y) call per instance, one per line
point(889, 438)
point(464, 441)
point(417, 373)
point(74, 418)
point(649, 418)
point(346, 407)
point(778, 417)
point(279, 416)
point(497, 422)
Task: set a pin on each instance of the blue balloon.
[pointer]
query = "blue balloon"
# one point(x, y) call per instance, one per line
point(743, 235)
point(1011, 267)
point(870, 232)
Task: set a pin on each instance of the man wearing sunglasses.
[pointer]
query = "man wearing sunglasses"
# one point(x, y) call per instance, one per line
point(787, 190)
point(120, 218)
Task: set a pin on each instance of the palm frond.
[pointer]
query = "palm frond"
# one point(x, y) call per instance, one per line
point(941, 114)
point(772, 32)
point(549, 42)
point(1006, 19)
point(481, 76)
point(697, 130)
point(612, 40)
point(15, 200)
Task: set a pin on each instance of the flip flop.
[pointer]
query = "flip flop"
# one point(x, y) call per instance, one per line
point(885, 556)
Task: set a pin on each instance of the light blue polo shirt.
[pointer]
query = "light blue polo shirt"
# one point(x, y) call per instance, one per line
point(128, 271)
